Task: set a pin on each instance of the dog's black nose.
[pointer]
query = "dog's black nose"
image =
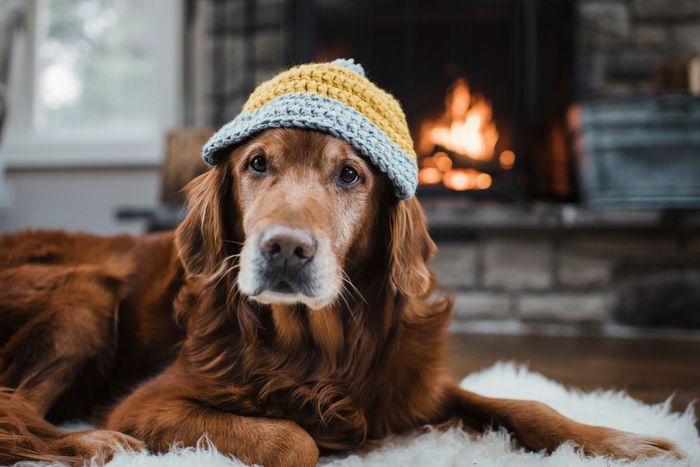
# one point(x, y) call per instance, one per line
point(287, 248)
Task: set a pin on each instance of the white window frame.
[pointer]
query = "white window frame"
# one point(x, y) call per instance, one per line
point(23, 148)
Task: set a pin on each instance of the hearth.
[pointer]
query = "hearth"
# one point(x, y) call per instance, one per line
point(485, 85)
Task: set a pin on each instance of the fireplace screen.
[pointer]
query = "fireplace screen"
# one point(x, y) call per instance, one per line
point(485, 85)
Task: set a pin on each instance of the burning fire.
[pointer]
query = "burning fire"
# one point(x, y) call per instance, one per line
point(467, 131)
point(466, 127)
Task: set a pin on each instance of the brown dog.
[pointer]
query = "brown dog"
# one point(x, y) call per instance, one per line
point(286, 317)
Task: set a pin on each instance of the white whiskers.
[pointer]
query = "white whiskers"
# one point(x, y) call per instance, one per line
point(224, 269)
point(346, 280)
point(344, 289)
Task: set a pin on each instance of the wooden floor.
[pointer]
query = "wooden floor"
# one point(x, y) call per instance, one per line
point(649, 370)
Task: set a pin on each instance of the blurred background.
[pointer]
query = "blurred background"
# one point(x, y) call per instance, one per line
point(559, 146)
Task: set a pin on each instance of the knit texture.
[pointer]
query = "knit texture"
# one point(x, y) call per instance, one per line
point(335, 98)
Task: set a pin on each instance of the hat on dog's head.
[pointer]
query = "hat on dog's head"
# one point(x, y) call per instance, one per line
point(335, 98)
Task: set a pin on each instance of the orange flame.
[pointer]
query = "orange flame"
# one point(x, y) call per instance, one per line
point(466, 179)
point(465, 128)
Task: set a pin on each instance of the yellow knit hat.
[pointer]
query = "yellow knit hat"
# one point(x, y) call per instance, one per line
point(334, 97)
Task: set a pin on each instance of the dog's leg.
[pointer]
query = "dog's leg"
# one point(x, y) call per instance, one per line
point(26, 436)
point(166, 411)
point(539, 427)
point(76, 325)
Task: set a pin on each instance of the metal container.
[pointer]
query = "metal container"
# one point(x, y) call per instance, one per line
point(640, 152)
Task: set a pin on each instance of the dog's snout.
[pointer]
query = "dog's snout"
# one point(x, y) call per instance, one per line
point(286, 246)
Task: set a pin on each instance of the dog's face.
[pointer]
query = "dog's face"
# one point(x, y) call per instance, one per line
point(302, 206)
point(306, 198)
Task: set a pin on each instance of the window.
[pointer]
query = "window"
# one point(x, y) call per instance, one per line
point(98, 83)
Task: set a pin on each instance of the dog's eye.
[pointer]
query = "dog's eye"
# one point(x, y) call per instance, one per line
point(258, 164)
point(348, 176)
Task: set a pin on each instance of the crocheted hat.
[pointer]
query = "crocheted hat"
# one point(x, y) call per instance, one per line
point(335, 98)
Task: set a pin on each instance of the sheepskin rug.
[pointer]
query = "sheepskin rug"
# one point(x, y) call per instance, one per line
point(455, 448)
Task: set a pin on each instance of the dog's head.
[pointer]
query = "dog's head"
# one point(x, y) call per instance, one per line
point(290, 211)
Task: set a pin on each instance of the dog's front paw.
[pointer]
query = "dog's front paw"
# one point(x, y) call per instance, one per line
point(629, 446)
point(98, 446)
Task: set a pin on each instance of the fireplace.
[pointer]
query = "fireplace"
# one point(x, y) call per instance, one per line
point(488, 86)
point(485, 85)
point(496, 93)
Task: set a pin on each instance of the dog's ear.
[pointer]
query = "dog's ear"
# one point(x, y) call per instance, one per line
point(411, 248)
point(199, 239)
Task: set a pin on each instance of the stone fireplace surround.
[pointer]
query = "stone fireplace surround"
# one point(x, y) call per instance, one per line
point(620, 42)
point(562, 267)
point(556, 268)
point(540, 266)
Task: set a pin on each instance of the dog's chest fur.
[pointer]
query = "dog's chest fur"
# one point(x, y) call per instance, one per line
point(362, 390)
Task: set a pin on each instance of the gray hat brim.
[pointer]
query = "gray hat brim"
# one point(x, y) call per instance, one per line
point(311, 111)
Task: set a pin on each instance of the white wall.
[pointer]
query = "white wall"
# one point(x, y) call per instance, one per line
point(78, 199)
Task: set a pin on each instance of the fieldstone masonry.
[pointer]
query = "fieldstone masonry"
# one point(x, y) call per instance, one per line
point(518, 263)
point(232, 46)
point(557, 275)
point(620, 41)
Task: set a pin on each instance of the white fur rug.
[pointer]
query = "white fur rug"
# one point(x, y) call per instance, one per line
point(455, 448)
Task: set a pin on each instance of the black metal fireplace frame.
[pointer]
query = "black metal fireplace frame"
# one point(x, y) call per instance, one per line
point(530, 22)
point(523, 58)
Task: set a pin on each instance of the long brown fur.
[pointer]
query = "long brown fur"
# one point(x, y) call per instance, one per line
point(157, 323)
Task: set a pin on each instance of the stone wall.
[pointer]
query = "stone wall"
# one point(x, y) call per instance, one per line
point(231, 47)
point(620, 41)
point(618, 44)
point(569, 275)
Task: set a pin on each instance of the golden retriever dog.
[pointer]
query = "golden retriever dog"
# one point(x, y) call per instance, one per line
point(288, 316)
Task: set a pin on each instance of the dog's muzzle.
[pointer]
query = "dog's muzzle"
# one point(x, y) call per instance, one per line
point(287, 253)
